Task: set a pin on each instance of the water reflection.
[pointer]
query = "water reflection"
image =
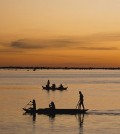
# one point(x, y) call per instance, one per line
point(52, 116)
point(32, 115)
point(34, 118)
point(52, 120)
point(80, 118)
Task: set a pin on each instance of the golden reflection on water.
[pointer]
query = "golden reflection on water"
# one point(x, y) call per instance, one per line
point(101, 91)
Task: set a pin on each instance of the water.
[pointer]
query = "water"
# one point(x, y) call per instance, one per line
point(101, 89)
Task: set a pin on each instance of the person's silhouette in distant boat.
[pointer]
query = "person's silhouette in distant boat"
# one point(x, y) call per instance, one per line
point(81, 100)
point(48, 82)
point(53, 86)
point(61, 86)
point(52, 105)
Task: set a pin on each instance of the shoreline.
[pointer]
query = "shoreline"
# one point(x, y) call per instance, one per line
point(64, 68)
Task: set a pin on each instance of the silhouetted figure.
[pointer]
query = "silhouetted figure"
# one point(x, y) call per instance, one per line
point(33, 104)
point(48, 83)
point(61, 86)
point(52, 105)
point(81, 101)
point(53, 86)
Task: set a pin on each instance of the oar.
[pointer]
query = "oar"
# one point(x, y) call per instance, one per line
point(77, 104)
point(27, 104)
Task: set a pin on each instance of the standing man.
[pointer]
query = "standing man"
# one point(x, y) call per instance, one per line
point(81, 101)
point(34, 104)
point(48, 83)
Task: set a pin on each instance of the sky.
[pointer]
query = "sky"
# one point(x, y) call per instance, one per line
point(60, 33)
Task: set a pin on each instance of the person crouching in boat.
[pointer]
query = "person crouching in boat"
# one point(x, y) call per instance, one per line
point(61, 86)
point(52, 105)
point(53, 86)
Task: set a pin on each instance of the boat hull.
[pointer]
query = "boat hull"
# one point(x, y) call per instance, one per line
point(49, 111)
point(30, 111)
point(58, 88)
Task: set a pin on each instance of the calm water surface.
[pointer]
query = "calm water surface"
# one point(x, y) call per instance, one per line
point(101, 89)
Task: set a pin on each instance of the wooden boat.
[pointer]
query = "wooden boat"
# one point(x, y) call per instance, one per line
point(30, 110)
point(62, 88)
point(46, 88)
point(56, 88)
point(49, 111)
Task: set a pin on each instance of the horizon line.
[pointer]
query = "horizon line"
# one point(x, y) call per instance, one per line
point(45, 67)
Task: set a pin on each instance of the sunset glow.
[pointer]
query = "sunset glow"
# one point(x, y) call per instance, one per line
point(60, 33)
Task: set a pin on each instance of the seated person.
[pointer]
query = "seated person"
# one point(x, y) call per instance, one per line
point(61, 86)
point(52, 105)
point(53, 86)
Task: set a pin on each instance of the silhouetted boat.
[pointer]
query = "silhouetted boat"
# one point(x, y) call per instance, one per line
point(54, 88)
point(30, 110)
point(46, 87)
point(49, 111)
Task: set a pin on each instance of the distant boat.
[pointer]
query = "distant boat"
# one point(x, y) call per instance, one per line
point(49, 111)
point(34, 69)
point(54, 88)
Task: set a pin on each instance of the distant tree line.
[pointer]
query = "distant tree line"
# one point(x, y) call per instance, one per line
point(66, 68)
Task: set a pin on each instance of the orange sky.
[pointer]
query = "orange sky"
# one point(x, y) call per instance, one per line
point(60, 33)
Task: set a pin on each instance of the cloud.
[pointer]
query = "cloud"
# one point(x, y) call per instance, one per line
point(26, 44)
point(102, 37)
point(92, 42)
point(98, 48)
point(42, 44)
point(5, 47)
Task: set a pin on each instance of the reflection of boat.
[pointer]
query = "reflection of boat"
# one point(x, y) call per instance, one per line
point(49, 111)
point(54, 88)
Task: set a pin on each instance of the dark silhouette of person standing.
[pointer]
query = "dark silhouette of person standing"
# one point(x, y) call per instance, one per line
point(81, 100)
point(34, 104)
point(48, 83)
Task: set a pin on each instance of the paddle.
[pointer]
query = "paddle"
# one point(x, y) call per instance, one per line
point(27, 104)
point(77, 104)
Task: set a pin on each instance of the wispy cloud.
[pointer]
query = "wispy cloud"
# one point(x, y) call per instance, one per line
point(98, 48)
point(6, 48)
point(42, 44)
point(91, 42)
point(102, 37)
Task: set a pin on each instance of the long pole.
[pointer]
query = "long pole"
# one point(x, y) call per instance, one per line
point(27, 104)
point(77, 104)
